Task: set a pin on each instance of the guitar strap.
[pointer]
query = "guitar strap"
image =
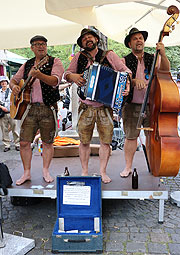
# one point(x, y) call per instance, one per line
point(29, 105)
point(55, 119)
point(25, 114)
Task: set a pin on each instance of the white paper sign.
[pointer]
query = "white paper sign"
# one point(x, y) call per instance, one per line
point(76, 195)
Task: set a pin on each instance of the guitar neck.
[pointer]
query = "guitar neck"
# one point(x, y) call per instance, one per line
point(26, 82)
point(42, 61)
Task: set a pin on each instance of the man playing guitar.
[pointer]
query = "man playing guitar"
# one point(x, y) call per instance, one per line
point(40, 111)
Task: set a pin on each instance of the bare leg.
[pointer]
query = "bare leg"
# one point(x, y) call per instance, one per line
point(130, 147)
point(84, 152)
point(48, 151)
point(104, 153)
point(26, 156)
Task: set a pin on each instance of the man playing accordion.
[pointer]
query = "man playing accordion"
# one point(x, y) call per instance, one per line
point(91, 112)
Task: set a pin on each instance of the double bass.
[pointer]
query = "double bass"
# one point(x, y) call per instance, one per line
point(162, 141)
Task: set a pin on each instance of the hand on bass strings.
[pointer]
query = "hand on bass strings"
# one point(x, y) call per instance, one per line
point(161, 48)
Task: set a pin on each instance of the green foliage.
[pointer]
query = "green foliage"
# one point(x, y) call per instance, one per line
point(64, 52)
point(61, 51)
point(120, 49)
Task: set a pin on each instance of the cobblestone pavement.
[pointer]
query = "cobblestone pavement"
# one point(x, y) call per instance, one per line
point(130, 227)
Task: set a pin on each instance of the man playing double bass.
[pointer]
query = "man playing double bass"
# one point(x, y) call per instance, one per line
point(139, 62)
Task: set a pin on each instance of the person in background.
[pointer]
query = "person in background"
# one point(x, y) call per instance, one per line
point(6, 122)
point(139, 62)
point(91, 112)
point(42, 108)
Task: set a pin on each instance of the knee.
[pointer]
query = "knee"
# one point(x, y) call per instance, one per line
point(104, 145)
point(24, 144)
point(85, 145)
point(47, 145)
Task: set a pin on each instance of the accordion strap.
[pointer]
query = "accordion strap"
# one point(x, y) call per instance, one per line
point(104, 54)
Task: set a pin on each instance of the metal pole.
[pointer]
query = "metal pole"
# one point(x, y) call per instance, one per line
point(2, 243)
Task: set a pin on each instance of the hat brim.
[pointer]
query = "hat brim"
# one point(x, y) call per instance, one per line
point(128, 37)
point(38, 38)
point(79, 40)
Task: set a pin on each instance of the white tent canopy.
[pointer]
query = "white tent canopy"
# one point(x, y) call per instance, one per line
point(6, 56)
point(22, 19)
point(115, 18)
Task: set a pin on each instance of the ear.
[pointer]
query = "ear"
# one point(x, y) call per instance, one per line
point(129, 43)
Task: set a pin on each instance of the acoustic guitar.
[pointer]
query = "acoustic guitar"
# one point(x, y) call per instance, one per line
point(18, 104)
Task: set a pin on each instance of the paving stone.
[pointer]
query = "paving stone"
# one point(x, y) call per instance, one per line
point(177, 230)
point(139, 237)
point(114, 246)
point(161, 238)
point(134, 230)
point(175, 238)
point(119, 237)
point(124, 230)
point(169, 230)
point(174, 248)
point(157, 248)
point(135, 247)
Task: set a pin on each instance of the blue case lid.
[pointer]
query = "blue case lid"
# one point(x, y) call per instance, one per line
point(78, 195)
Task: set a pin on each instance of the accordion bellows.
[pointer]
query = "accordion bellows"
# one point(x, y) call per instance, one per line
point(105, 85)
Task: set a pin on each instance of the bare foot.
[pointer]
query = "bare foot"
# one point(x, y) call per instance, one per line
point(105, 178)
point(24, 178)
point(85, 173)
point(126, 172)
point(48, 178)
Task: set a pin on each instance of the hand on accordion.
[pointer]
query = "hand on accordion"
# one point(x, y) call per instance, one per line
point(77, 78)
point(127, 89)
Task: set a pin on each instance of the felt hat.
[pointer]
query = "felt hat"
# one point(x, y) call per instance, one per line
point(133, 31)
point(84, 32)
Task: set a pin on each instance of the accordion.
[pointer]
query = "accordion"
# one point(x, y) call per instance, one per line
point(105, 85)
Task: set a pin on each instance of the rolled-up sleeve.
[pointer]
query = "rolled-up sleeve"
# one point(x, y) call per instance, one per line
point(57, 70)
point(72, 67)
point(117, 63)
point(19, 75)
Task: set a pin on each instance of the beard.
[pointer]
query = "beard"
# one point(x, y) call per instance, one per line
point(139, 48)
point(94, 45)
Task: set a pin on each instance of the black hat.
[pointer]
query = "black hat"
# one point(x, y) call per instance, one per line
point(132, 32)
point(84, 32)
point(38, 38)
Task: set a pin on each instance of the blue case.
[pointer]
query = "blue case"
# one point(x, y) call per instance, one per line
point(78, 227)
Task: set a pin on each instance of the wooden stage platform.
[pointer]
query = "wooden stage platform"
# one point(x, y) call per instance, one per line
point(150, 187)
